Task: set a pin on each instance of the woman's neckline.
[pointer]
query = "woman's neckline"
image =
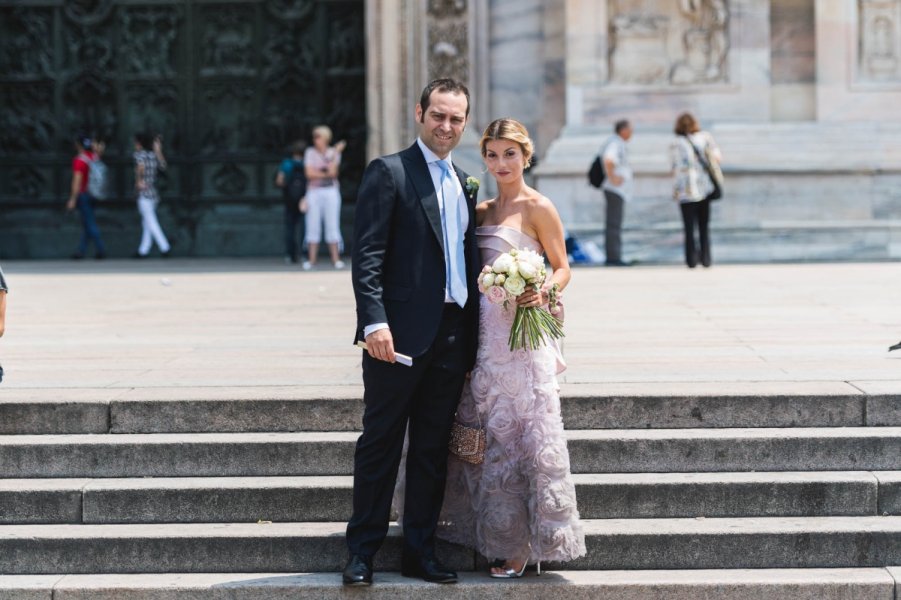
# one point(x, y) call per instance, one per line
point(511, 229)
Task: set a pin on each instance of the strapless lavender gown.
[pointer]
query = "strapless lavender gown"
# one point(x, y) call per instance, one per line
point(520, 503)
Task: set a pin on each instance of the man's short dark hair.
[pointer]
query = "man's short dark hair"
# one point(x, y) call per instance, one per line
point(621, 125)
point(145, 139)
point(83, 140)
point(442, 85)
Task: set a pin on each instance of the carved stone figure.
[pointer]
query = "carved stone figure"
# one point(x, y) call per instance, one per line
point(705, 43)
point(88, 12)
point(638, 53)
point(655, 43)
point(230, 180)
point(880, 33)
point(26, 182)
point(147, 40)
point(26, 123)
point(448, 39)
point(227, 42)
point(28, 47)
point(228, 124)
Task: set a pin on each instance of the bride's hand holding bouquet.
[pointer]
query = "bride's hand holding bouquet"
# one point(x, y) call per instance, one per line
point(519, 276)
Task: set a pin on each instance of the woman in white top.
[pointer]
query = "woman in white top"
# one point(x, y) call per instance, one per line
point(321, 163)
point(692, 185)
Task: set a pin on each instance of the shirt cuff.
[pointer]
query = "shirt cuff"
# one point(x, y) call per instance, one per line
point(374, 327)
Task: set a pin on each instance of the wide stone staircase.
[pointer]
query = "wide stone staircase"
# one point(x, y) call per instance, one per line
point(734, 496)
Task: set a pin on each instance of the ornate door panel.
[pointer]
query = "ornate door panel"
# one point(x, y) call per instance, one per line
point(229, 85)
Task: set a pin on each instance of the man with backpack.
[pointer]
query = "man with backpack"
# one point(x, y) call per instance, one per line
point(292, 179)
point(86, 169)
point(617, 188)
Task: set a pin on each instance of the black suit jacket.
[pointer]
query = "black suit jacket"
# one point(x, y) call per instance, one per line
point(398, 254)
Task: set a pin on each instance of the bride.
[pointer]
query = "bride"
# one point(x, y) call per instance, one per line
point(518, 506)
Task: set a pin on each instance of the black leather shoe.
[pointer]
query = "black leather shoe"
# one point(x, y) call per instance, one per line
point(427, 568)
point(358, 571)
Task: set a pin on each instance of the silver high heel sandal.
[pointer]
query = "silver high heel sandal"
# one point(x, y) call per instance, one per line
point(510, 573)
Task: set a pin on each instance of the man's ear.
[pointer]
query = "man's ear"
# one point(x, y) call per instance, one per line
point(418, 112)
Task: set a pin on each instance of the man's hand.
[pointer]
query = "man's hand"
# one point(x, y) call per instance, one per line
point(617, 180)
point(380, 344)
point(70, 205)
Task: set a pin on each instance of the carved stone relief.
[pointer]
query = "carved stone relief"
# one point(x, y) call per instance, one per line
point(344, 48)
point(227, 41)
point(228, 122)
point(680, 43)
point(26, 122)
point(27, 182)
point(448, 39)
point(28, 51)
point(88, 12)
point(291, 10)
point(880, 40)
point(147, 43)
point(230, 180)
point(289, 60)
point(152, 109)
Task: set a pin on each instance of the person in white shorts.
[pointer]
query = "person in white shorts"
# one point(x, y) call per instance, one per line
point(321, 162)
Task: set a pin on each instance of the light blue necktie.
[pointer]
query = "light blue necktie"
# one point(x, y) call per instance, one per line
point(453, 237)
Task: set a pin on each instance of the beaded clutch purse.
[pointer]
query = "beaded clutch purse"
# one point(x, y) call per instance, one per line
point(467, 443)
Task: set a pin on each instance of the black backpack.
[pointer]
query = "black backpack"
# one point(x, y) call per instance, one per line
point(296, 184)
point(596, 173)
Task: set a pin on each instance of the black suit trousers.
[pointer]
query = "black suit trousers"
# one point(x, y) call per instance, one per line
point(426, 396)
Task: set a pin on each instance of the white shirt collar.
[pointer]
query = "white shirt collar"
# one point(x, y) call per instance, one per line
point(431, 157)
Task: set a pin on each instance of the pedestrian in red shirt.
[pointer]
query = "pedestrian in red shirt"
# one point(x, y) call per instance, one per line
point(80, 198)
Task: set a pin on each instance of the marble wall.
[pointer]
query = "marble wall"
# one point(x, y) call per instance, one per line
point(800, 94)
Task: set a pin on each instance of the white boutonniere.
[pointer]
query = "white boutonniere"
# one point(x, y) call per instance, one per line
point(472, 185)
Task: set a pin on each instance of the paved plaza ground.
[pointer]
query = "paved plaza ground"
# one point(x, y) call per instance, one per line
point(245, 328)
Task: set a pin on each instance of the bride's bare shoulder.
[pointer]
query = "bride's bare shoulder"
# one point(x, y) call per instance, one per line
point(540, 202)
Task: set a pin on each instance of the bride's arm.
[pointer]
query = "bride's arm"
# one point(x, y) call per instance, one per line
point(549, 227)
point(543, 217)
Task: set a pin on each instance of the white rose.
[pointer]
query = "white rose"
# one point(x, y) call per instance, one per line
point(515, 285)
point(513, 271)
point(488, 280)
point(533, 258)
point(502, 263)
point(527, 270)
point(499, 279)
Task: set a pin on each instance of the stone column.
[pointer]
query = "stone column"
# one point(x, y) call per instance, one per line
point(389, 27)
point(411, 42)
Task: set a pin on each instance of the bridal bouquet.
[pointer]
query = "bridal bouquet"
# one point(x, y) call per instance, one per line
point(509, 276)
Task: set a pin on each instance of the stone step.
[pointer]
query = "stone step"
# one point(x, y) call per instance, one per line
point(331, 453)
point(752, 584)
point(752, 543)
point(585, 406)
point(303, 499)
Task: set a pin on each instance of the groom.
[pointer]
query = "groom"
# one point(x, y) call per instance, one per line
point(415, 265)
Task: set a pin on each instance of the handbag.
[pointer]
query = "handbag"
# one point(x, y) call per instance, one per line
point(468, 443)
point(713, 171)
point(596, 172)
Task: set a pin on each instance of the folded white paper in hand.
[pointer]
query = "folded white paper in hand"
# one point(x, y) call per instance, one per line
point(401, 358)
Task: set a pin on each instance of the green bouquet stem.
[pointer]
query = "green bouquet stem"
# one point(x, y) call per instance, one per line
point(533, 327)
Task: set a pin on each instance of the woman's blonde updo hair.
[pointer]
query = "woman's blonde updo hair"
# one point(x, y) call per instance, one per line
point(508, 129)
